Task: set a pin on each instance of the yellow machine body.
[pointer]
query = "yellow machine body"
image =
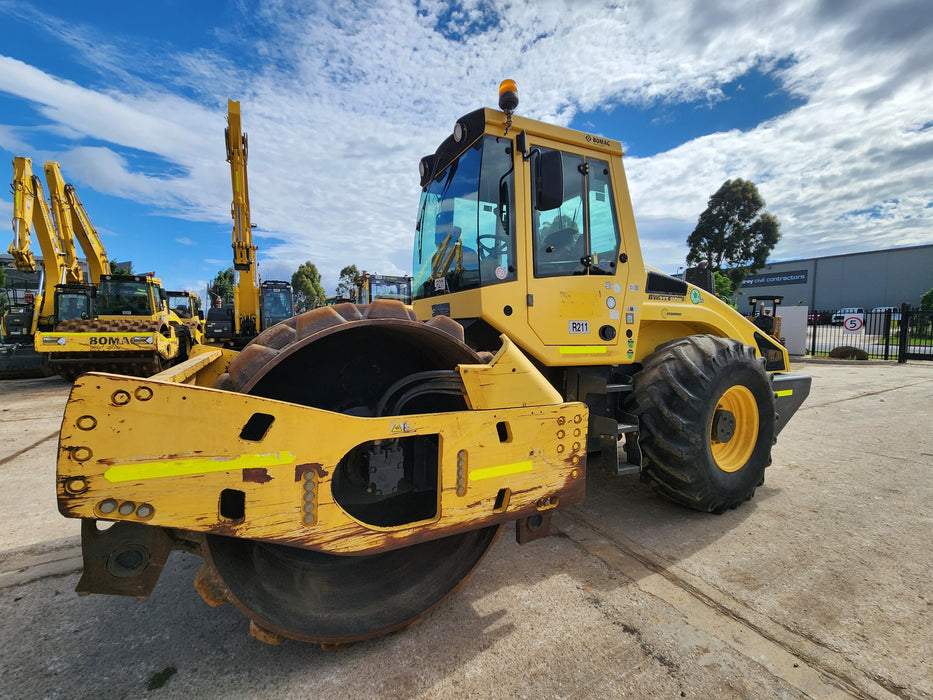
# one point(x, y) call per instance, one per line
point(139, 332)
point(350, 467)
point(186, 306)
point(517, 451)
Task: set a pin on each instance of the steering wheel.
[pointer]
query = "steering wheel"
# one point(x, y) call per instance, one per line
point(491, 245)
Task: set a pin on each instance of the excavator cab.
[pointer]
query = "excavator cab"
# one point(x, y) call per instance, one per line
point(74, 302)
point(276, 303)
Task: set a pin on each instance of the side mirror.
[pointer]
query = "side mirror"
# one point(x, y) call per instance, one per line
point(549, 180)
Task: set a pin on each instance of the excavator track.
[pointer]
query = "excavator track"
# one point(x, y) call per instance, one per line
point(343, 358)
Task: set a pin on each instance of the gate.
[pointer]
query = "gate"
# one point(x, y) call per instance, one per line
point(916, 336)
point(886, 335)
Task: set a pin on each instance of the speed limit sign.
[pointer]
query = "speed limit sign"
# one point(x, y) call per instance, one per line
point(853, 323)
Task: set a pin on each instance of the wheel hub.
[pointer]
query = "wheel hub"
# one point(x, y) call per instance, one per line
point(723, 425)
point(734, 428)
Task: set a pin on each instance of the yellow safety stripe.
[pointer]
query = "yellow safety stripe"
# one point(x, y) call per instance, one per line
point(582, 349)
point(503, 470)
point(784, 392)
point(140, 471)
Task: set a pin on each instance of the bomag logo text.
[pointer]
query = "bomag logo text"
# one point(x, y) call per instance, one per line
point(597, 140)
point(104, 340)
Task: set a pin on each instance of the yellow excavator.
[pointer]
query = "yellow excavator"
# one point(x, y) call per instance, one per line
point(35, 311)
point(256, 305)
point(364, 458)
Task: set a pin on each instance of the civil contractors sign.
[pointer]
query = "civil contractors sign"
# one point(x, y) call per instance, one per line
point(773, 279)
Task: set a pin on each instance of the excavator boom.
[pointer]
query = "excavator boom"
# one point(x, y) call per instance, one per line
point(31, 213)
point(87, 236)
point(246, 291)
point(61, 214)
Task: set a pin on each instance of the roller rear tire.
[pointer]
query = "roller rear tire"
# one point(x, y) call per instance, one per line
point(707, 421)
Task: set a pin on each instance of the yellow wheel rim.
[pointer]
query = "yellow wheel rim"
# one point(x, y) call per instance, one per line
point(732, 449)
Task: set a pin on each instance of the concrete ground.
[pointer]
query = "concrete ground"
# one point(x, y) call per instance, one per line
point(819, 587)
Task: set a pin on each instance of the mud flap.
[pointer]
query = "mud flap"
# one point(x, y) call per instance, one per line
point(125, 559)
point(533, 528)
point(790, 391)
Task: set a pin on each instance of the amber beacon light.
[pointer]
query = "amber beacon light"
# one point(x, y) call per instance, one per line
point(508, 96)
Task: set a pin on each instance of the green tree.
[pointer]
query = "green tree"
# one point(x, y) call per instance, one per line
point(735, 234)
point(724, 288)
point(221, 286)
point(926, 301)
point(346, 284)
point(306, 281)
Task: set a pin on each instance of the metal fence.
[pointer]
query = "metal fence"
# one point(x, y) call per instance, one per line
point(905, 334)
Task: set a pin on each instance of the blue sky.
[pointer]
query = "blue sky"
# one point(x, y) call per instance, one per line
point(827, 106)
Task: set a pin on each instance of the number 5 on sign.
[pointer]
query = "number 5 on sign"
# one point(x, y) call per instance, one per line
point(853, 323)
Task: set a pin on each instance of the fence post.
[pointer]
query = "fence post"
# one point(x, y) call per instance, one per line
point(905, 333)
point(887, 334)
point(816, 318)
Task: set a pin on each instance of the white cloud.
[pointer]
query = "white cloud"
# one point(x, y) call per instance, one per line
point(184, 240)
point(341, 100)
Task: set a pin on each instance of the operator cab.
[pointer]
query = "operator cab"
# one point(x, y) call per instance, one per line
point(519, 230)
point(128, 295)
point(74, 302)
point(276, 302)
point(184, 305)
point(465, 235)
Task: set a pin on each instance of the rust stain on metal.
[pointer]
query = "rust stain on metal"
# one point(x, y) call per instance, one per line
point(315, 467)
point(227, 529)
point(69, 508)
point(256, 475)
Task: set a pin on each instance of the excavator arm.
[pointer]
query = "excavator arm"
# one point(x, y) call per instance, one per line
point(246, 290)
point(23, 202)
point(87, 236)
point(31, 213)
point(61, 215)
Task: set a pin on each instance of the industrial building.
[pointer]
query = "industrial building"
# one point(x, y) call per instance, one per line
point(866, 280)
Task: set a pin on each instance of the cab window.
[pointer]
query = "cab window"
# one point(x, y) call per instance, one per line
point(581, 235)
point(465, 231)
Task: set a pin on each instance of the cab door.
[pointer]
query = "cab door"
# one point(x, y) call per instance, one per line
point(575, 291)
